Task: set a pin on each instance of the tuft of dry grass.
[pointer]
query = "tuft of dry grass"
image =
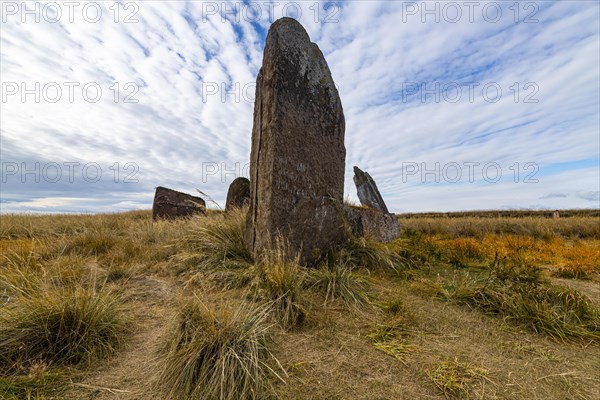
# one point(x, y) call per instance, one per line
point(338, 281)
point(213, 243)
point(47, 319)
point(366, 253)
point(279, 282)
point(459, 380)
point(218, 354)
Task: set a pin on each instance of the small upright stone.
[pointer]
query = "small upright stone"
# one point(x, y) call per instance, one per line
point(368, 194)
point(373, 220)
point(171, 204)
point(238, 194)
point(298, 155)
point(556, 214)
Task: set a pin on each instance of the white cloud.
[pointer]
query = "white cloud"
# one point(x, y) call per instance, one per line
point(590, 196)
point(176, 51)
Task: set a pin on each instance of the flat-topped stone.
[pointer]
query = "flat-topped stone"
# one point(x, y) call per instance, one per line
point(171, 204)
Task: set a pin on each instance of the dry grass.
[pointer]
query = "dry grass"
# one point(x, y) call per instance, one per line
point(218, 353)
point(568, 256)
point(519, 294)
point(366, 253)
point(38, 383)
point(584, 225)
point(214, 243)
point(279, 282)
point(457, 380)
point(59, 326)
point(459, 307)
point(53, 314)
point(58, 304)
point(337, 280)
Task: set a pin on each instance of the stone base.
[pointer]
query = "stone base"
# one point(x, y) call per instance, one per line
point(373, 224)
point(310, 229)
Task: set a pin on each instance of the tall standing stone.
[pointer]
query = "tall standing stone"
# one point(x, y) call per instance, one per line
point(368, 194)
point(238, 194)
point(298, 156)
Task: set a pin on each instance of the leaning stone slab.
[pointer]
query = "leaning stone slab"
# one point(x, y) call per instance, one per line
point(372, 224)
point(368, 194)
point(171, 204)
point(238, 194)
point(298, 155)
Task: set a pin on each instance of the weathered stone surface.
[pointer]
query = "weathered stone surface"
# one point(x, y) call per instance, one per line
point(298, 155)
point(238, 194)
point(373, 220)
point(170, 204)
point(368, 194)
point(373, 224)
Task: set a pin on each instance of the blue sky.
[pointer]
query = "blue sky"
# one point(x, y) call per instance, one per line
point(448, 105)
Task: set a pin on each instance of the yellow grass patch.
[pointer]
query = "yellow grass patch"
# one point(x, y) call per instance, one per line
point(557, 253)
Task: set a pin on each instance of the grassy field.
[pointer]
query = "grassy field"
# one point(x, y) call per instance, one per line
point(463, 306)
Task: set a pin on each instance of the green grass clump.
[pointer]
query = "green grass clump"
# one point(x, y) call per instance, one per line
point(218, 354)
point(418, 249)
point(516, 269)
point(561, 313)
point(337, 281)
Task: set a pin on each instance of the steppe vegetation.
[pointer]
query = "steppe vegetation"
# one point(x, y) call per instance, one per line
point(473, 305)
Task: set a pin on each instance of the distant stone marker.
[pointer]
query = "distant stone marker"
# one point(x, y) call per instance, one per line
point(368, 194)
point(238, 194)
point(171, 204)
point(298, 155)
